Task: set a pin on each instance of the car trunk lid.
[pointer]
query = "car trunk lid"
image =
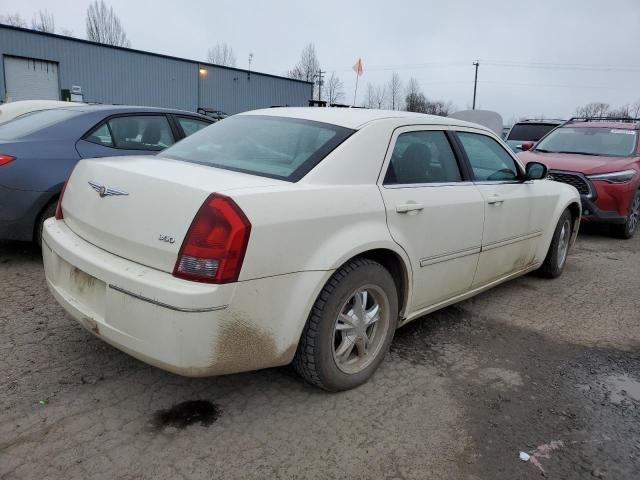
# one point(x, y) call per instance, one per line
point(140, 208)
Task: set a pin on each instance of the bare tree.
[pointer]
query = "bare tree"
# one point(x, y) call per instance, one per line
point(222, 54)
point(622, 112)
point(15, 20)
point(103, 25)
point(395, 88)
point(335, 88)
point(593, 109)
point(438, 107)
point(380, 96)
point(43, 22)
point(634, 111)
point(307, 66)
point(415, 101)
point(369, 101)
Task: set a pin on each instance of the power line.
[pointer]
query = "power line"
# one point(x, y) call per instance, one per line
point(507, 64)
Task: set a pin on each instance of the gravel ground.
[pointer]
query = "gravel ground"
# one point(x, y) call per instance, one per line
point(547, 367)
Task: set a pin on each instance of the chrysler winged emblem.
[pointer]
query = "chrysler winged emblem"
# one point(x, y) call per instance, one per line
point(106, 191)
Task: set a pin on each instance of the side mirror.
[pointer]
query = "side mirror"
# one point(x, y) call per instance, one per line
point(536, 171)
point(526, 146)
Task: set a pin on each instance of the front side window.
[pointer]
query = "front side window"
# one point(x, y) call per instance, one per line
point(489, 161)
point(614, 142)
point(422, 157)
point(270, 146)
point(144, 132)
point(191, 125)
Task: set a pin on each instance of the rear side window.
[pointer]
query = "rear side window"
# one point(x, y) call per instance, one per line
point(144, 132)
point(270, 146)
point(191, 125)
point(529, 132)
point(422, 157)
point(489, 161)
point(101, 136)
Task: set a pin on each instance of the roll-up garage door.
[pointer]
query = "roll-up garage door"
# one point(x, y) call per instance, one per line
point(30, 79)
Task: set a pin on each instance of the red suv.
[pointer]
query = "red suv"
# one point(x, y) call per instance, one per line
point(600, 157)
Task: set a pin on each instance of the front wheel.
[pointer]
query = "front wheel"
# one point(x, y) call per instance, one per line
point(556, 258)
point(628, 229)
point(350, 327)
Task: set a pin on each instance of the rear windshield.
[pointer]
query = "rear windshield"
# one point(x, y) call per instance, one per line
point(590, 141)
point(529, 132)
point(27, 124)
point(276, 147)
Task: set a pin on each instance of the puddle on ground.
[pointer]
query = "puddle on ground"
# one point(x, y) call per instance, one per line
point(622, 387)
point(188, 413)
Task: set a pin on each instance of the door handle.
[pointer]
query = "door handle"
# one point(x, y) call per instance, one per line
point(495, 199)
point(409, 207)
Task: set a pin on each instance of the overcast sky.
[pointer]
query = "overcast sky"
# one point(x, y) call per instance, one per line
point(537, 57)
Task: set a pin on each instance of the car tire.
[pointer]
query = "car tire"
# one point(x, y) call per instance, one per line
point(556, 258)
point(49, 211)
point(350, 327)
point(628, 229)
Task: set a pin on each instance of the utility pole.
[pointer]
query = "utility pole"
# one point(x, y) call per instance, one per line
point(475, 83)
point(320, 82)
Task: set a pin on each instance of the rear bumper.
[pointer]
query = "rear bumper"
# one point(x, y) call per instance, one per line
point(188, 328)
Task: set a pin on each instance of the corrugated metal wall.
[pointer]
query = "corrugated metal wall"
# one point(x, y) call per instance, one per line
point(120, 76)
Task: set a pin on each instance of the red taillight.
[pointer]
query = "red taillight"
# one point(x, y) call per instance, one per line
point(59, 215)
point(4, 159)
point(215, 244)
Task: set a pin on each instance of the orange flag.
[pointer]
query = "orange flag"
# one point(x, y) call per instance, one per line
point(358, 67)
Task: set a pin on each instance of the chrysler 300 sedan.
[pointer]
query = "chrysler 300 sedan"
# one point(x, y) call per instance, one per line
point(298, 235)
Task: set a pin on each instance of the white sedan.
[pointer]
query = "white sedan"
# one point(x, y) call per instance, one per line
point(304, 235)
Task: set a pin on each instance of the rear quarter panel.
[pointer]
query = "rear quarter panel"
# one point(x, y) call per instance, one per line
point(311, 228)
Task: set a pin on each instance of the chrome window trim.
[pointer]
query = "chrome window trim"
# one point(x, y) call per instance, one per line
point(423, 185)
point(166, 305)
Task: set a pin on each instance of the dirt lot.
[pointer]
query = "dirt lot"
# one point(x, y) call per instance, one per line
point(550, 368)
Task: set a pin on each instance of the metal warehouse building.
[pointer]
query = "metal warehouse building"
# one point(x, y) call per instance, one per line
point(39, 65)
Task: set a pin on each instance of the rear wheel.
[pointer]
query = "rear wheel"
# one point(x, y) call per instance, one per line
point(628, 229)
point(559, 249)
point(350, 327)
point(49, 211)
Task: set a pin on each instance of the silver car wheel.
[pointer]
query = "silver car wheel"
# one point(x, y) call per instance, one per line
point(563, 242)
point(360, 330)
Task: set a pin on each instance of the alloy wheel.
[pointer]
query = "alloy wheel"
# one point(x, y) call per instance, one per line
point(360, 329)
point(563, 242)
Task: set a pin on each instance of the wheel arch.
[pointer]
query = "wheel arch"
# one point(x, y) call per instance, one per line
point(52, 199)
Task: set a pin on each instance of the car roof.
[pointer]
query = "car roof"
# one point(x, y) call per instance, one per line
point(550, 121)
point(356, 118)
point(127, 109)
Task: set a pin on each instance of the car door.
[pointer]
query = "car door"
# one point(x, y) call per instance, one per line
point(131, 134)
point(434, 212)
point(515, 212)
